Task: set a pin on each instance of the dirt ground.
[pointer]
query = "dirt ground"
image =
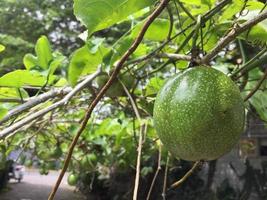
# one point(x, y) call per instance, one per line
point(37, 187)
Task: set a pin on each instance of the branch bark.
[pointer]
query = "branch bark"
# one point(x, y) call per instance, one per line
point(102, 92)
point(33, 101)
point(232, 35)
point(174, 56)
point(7, 131)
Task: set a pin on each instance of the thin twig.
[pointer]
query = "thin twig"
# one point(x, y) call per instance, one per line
point(12, 100)
point(232, 35)
point(189, 173)
point(156, 174)
point(171, 22)
point(143, 129)
point(140, 142)
point(165, 178)
point(7, 131)
point(102, 92)
point(247, 64)
point(256, 88)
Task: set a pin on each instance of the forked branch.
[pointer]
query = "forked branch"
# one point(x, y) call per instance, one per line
point(233, 33)
point(102, 92)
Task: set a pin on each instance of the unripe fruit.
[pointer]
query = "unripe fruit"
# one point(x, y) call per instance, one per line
point(116, 89)
point(199, 114)
point(72, 179)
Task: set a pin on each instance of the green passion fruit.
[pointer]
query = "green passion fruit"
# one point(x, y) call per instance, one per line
point(199, 114)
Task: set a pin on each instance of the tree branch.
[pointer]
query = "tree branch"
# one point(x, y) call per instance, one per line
point(33, 101)
point(102, 92)
point(174, 56)
point(4, 133)
point(232, 35)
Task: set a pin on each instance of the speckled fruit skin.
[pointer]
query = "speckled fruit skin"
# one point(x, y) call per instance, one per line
point(199, 114)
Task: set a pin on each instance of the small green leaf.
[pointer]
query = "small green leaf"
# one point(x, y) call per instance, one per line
point(30, 61)
point(43, 52)
point(157, 31)
point(97, 15)
point(85, 61)
point(21, 78)
point(55, 64)
point(2, 47)
point(6, 93)
point(153, 86)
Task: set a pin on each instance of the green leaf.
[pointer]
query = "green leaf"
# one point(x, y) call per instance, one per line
point(55, 64)
point(157, 31)
point(85, 61)
point(257, 33)
point(21, 78)
point(258, 100)
point(2, 47)
point(6, 93)
point(3, 111)
point(43, 52)
point(30, 61)
point(97, 15)
point(153, 86)
point(192, 2)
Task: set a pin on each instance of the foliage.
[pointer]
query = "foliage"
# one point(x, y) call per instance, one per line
point(43, 52)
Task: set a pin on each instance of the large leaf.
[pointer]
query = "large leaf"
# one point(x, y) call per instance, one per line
point(21, 78)
point(85, 61)
point(43, 52)
point(157, 31)
point(100, 14)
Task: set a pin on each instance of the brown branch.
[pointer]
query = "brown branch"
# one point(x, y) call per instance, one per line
point(232, 35)
point(256, 88)
point(189, 173)
point(102, 92)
